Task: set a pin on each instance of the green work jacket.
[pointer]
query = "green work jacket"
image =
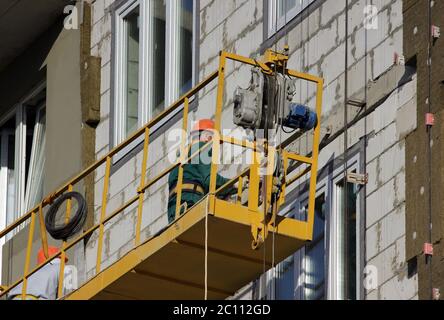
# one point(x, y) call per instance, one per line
point(196, 172)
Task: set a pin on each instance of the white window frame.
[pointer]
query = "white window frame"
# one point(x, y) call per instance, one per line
point(300, 256)
point(146, 78)
point(3, 176)
point(276, 23)
point(3, 187)
point(38, 133)
point(20, 148)
point(120, 68)
point(329, 187)
point(335, 288)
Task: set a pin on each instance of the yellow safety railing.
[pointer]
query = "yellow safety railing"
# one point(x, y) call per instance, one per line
point(37, 212)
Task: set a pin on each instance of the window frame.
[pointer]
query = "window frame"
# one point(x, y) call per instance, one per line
point(327, 185)
point(20, 132)
point(300, 256)
point(334, 285)
point(146, 78)
point(120, 69)
point(3, 173)
point(275, 23)
point(38, 132)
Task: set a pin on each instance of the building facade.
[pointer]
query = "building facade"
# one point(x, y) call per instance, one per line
point(134, 58)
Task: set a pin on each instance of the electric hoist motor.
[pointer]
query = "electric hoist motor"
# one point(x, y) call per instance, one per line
point(267, 102)
point(300, 117)
point(248, 104)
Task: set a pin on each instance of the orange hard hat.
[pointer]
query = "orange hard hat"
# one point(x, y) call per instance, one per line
point(52, 251)
point(204, 124)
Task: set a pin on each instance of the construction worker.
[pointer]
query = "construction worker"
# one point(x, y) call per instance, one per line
point(196, 175)
point(42, 285)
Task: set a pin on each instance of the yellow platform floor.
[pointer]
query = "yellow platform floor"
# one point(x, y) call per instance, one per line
point(171, 265)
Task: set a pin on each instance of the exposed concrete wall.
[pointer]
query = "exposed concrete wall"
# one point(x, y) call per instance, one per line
point(384, 226)
point(126, 174)
point(317, 46)
point(385, 221)
point(101, 46)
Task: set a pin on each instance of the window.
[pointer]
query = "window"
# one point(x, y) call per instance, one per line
point(327, 267)
point(8, 172)
point(314, 262)
point(280, 12)
point(185, 53)
point(302, 276)
point(153, 60)
point(346, 244)
point(132, 72)
point(22, 160)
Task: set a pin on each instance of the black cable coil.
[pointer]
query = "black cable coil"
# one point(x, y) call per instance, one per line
point(75, 223)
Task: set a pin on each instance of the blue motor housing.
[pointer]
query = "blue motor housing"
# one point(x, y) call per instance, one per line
point(300, 117)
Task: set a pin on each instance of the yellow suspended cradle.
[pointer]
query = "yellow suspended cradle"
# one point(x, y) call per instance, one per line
point(214, 238)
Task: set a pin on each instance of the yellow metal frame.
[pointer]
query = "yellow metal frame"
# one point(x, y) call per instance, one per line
point(252, 214)
point(260, 229)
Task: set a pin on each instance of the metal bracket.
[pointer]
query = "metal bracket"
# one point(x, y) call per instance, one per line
point(357, 178)
point(430, 119)
point(428, 249)
point(356, 103)
point(399, 59)
point(436, 293)
point(278, 59)
point(436, 32)
point(258, 238)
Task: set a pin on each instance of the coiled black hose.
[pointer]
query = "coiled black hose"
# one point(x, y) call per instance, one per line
point(75, 223)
